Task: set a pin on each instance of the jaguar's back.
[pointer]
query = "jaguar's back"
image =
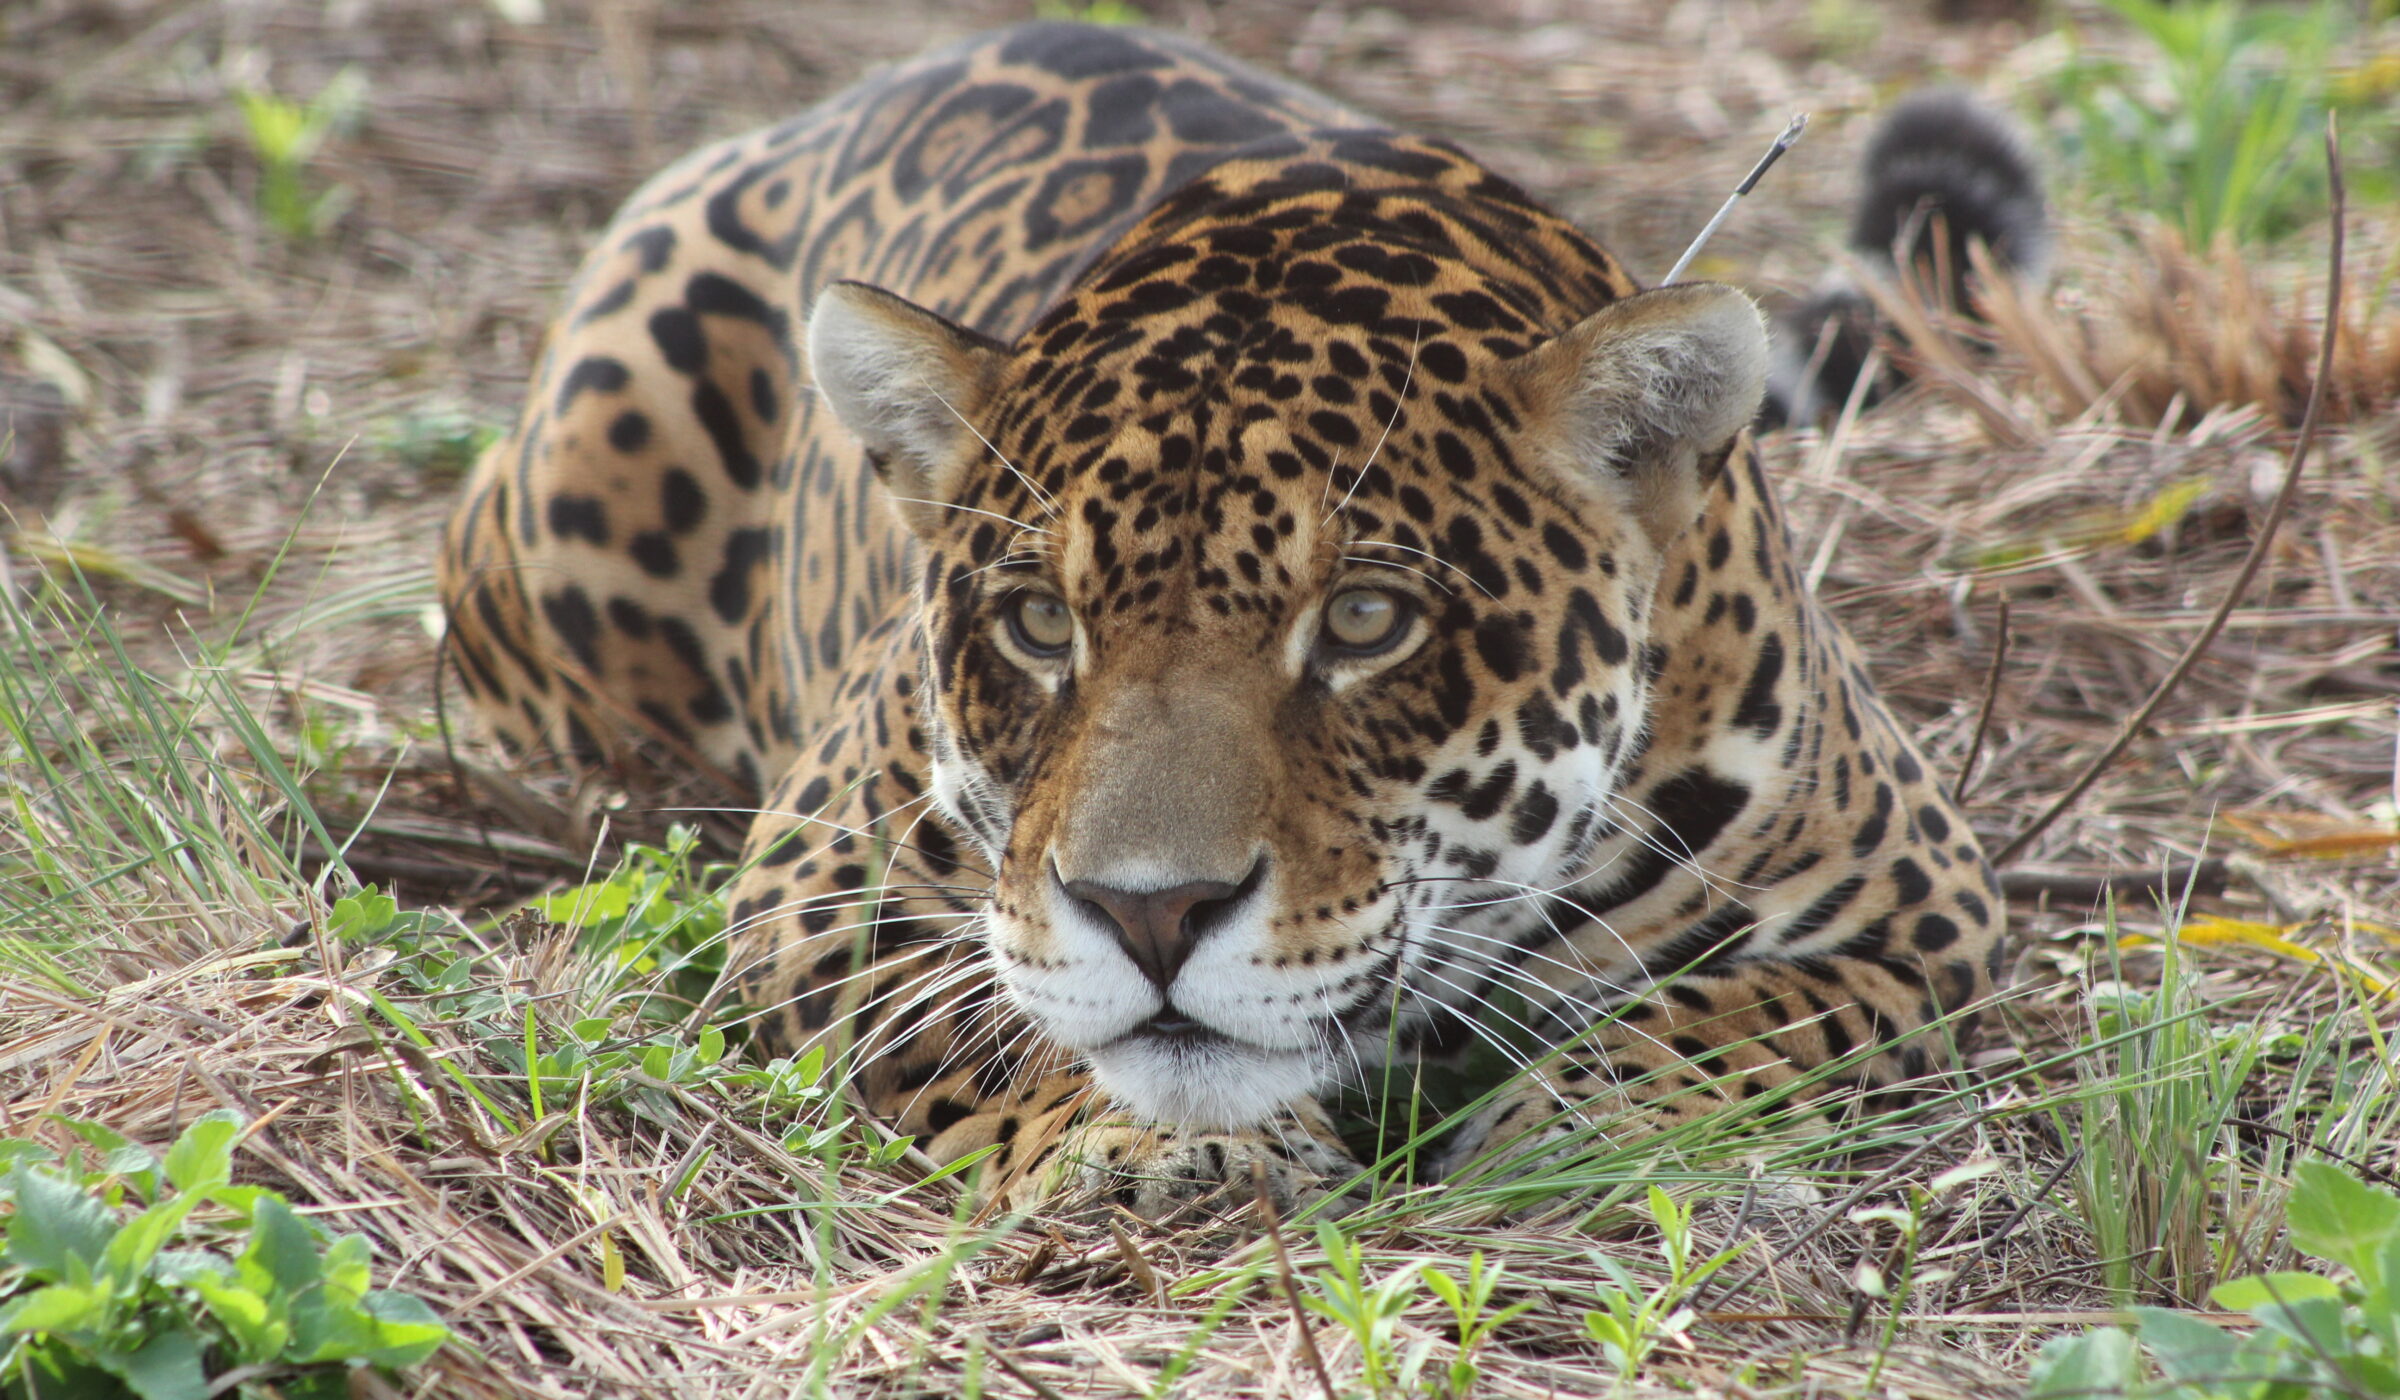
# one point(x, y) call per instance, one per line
point(1225, 589)
point(626, 564)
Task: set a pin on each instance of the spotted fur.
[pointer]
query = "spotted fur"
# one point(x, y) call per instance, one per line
point(1195, 369)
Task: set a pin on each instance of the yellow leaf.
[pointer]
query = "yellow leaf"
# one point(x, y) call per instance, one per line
point(612, 1263)
point(2164, 509)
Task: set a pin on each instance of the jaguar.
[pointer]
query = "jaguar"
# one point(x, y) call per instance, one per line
point(1205, 593)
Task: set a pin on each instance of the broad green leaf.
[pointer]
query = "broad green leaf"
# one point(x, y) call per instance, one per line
point(15, 1150)
point(246, 1317)
point(178, 1267)
point(346, 1269)
point(2380, 1288)
point(61, 1372)
point(139, 1240)
point(2264, 1290)
point(2315, 1323)
point(385, 1328)
point(407, 1330)
point(2336, 1217)
point(166, 1368)
point(283, 1254)
point(2371, 1374)
point(59, 1229)
point(362, 916)
point(62, 1307)
point(2186, 1348)
point(2100, 1362)
point(203, 1156)
point(241, 1200)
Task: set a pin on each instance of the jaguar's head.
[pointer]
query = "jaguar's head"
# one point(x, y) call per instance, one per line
point(1270, 639)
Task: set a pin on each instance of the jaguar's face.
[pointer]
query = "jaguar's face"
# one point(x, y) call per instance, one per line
point(1259, 743)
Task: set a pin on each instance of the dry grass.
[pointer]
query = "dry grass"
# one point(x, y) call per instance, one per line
point(264, 434)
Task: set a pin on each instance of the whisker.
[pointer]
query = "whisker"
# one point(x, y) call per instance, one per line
point(974, 510)
point(1404, 568)
point(1040, 497)
point(1417, 339)
point(1410, 549)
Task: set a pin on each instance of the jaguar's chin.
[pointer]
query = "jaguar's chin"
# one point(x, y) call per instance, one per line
point(1175, 1070)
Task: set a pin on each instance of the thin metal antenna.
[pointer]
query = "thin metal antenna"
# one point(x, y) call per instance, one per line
point(1790, 137)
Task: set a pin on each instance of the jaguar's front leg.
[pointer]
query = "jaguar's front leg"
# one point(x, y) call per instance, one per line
point(1155, 1170)
point(1827, 1033)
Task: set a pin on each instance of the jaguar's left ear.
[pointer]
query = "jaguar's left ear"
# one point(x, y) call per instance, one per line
point(909, 385)
point(1637, 396)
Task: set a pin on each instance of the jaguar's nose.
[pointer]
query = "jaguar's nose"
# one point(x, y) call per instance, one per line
point(1158, 929)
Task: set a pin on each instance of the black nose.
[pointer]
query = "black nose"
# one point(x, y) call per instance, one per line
point(1159, 928)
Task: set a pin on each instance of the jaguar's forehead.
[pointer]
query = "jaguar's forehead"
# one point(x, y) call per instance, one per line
point(1292, 366)
point(1262, 476)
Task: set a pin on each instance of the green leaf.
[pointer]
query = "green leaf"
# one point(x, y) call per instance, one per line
point(362, 916)
point(128, 1256)
point(2186, 1347)
point(2265, 1290)
point(166, 1368)
point(2315, 1323)
point(118, 1155)
point(59, 1230)
point(241, 1200)
point(346, 1269)
point(61, 1372)
point(2338, 1218)
point(15, 1150)
point(62, 1307)
point(246, 1317)
point(384, 1328)
point(176, 1268)
point(406, 1330)
point(283, 1254)
point(203, 1156)
point(2100, 1362)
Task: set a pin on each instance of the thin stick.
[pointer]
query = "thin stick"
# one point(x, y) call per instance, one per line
point(1789, 138)
point(1283, 1272)
point(1983, 721)
point(2258, 547)
point(1024, 1377)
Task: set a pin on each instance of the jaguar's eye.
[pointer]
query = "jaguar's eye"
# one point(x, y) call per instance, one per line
point(1041, 623)
point(1366, 621)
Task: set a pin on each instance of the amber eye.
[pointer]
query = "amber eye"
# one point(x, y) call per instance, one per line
point(1041, 623)
point(1366, 621)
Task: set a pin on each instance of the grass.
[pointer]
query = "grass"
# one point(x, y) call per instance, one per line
point(2210, 121)
point(576, 1036)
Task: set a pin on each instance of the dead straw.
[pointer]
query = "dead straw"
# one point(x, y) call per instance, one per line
point(2199, 645)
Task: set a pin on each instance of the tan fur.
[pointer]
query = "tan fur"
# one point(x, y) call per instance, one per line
point(1287, 355)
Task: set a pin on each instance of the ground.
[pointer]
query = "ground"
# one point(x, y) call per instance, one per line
point(242, 421)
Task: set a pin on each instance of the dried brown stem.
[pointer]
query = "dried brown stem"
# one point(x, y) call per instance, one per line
point(1283, 1275)
point(2258, 547)
point(1983, 721)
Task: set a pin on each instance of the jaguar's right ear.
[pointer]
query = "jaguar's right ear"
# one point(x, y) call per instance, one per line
point(908, 385)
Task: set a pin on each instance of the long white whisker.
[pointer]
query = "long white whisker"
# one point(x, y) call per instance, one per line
point(1404, 568)
point(973, 510)
point(1411, 549)
point(1040, 497)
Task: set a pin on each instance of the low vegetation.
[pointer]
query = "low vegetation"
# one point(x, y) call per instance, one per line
point(339, 1057)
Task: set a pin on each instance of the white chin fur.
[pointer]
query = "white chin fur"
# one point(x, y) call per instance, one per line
point(1211, 1085)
